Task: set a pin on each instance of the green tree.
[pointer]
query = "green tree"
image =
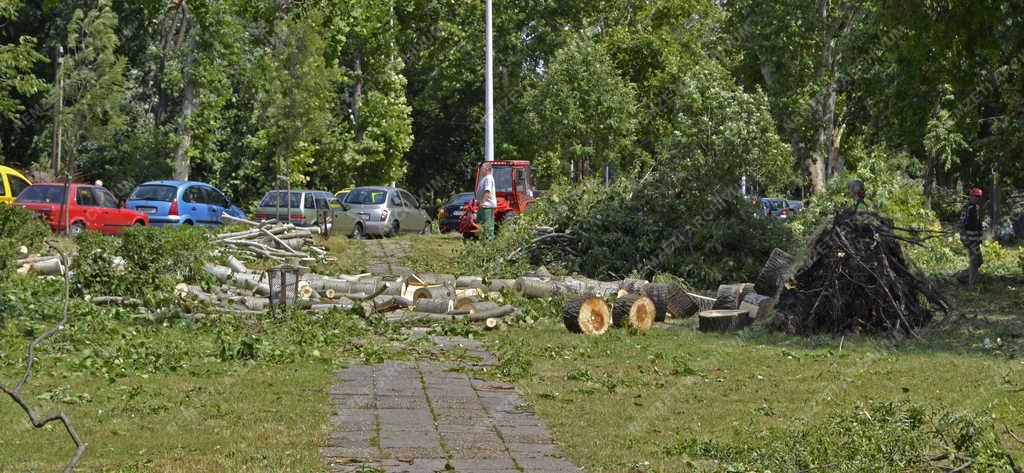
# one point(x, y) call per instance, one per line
point(94, 85)
point(582, 111)
point(17, 61)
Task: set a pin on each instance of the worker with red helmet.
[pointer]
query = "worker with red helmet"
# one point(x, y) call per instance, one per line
point(971, 235)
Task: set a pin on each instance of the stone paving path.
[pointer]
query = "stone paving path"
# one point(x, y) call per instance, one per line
point(382, 254)
point(426, 417)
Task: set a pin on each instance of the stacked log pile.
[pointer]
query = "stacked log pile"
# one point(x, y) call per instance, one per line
point(273, 241)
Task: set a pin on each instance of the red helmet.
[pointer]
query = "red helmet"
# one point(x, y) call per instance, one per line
point(976, 192)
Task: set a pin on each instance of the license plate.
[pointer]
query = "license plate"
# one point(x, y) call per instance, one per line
point(459, 212)
point(147, 210)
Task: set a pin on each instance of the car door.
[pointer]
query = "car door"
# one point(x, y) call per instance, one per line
point(114, 219)
point(87, 209)
point(343, 222)
point(194, 208)
point(412, 222)
point(397, 209)
point(216, 204)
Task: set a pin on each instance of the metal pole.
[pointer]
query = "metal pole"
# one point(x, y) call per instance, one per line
point(55, 150)
point(489, 91)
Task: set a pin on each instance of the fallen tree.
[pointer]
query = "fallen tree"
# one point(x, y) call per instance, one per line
point(856, 279)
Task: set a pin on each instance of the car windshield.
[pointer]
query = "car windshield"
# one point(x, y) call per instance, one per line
point(461, 199)
point(281, 199)
point(775, 204)
point(366, 197)
point(154, 192)
point(42, 195)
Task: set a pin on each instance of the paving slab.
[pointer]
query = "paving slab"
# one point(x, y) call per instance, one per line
point(421, 417)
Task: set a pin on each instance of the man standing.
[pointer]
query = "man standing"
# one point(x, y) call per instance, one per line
point(856, 190)
point(487, 200)
point(971, 235)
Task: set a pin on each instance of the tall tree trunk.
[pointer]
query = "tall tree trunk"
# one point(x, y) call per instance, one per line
point(931, 161)
point(182, 163)
point(821, 156)
point(357, 92)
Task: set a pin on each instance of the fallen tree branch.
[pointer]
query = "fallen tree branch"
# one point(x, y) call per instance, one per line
point(15, 393)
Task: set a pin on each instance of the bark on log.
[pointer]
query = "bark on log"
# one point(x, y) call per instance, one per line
point(385, 303)
point(588, 315)
point(774, 273)
point(498, 284)
point(469, 282)
point(48, 267)
point(755, 304)
point(670, 299)
point(729, 297)
point(434, 306)
point(434, 279)
point(631, 286)
point(433, 292)
point(634, 310)
point(236, 266)
point(536, 288)
point(722, 320)
point(465, 301)
point(394, 288)
point(341, 305)
point(478, 307)
point(220, 272)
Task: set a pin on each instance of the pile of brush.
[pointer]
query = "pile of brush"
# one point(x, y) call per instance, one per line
point(856, 279)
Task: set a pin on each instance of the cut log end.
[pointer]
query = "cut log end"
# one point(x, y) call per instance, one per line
point(634, 310)
point(587, 315)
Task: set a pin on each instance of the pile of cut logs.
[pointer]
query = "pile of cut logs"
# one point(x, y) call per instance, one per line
point(272, 240)
point(639, 303)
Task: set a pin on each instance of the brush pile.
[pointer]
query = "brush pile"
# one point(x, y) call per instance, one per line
point(857, 280)
point(272, 240)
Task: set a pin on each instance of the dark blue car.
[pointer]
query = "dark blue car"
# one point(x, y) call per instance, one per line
point(181, 203)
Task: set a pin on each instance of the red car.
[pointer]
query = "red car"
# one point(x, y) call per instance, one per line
point(91, 208)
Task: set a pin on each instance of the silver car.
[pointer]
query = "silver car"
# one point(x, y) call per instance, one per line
point(306, 208)
point(385, 211)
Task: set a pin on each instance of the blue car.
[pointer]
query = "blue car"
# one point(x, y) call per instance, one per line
point(181, 203)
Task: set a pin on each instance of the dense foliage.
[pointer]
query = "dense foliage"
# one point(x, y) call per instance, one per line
point(19, 227)
point(247, 94)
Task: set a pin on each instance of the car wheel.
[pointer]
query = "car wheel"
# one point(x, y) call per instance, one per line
point(188, 222)
point(427, 229)
point(77, 228)
point(139, 223)
point(395, 228)
point(357, 232)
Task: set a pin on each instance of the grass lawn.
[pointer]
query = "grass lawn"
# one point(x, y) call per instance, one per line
point(215, 417)
point(680, 400)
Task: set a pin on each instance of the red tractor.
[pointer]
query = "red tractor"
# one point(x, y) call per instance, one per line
point(515, 193)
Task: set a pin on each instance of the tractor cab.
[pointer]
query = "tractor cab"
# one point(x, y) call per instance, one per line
point(513, 185)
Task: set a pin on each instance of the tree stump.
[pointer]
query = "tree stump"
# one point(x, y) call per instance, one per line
point(722, 320)
point(669, 298)
point(634, 310)
point(587, 315)
point(775, 271)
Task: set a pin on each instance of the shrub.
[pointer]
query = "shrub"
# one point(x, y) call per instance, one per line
point(176, 251)
point(18, 227)
point(999, 261)
point(632, 227)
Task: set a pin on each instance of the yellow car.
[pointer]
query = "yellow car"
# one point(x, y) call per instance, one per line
point(11, 184)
